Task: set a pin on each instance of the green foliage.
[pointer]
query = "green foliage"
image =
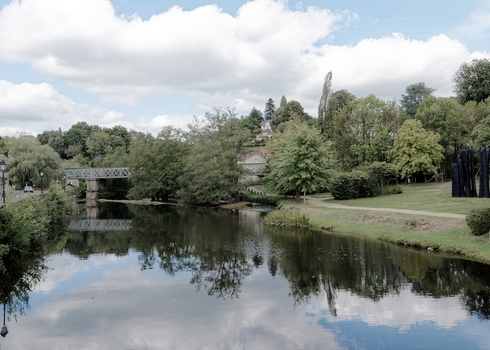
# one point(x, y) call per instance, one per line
point(59, 209)
point(352, 185)
point(253, 120)
point(287, 218)
point(156, 164)
point(269, 109)
point(415, 95)
point(326, 108)
point(383, 173)
point(81, 190)
point(28, 157)
point(212, 171)
point(115, 189)
point(30, 220)
point(299, 161)
point(284, 113)
point(444, 116)
point(416, 150)
point(363, 131)
point(245, 197)
point(478, 221)
point(393, 189)
point(481, 132)
point(472, 81)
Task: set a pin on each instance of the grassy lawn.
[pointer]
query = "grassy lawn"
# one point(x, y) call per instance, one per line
point(448, 235)
point(435, 197)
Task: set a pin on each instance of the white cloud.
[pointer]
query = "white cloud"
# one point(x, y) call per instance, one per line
point(85, 43)
point(33, 108)
point(212, 58)
point(477, 25)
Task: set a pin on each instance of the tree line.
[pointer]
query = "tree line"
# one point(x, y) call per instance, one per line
point(419, 135)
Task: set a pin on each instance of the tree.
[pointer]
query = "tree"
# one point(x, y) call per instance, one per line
point(212, 171)
point(253, 120)
point(76, 139)
point(287, 112)
point(55, 139)
point(363, 131)
point(325, 114)
point(283, 101)
point(157, 163)
point(269, 109)
point(299, 161)
point(416, 150)
point(28, 157)
point(415, 95)
point(445, 116)
point(481, 133)
point(473, 81)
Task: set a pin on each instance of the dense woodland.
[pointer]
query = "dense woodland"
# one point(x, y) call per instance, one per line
point(353, 143)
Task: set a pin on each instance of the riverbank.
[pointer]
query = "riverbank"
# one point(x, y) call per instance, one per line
point(424, 216)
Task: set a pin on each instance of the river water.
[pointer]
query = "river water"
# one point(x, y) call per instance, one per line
point(168, 277)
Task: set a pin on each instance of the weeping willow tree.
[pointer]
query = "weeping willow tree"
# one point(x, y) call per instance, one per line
point(27, 157)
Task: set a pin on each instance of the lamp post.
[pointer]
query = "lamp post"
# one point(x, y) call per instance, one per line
point(63, 182)
point(42, 185)
point(3, 165)
point(4, 331)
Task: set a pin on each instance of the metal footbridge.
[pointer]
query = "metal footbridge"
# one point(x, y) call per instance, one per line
point(97, 173)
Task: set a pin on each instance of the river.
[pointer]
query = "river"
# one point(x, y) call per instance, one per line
point(171, 277)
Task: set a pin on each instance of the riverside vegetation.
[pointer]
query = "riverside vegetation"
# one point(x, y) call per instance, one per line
point(376, 218)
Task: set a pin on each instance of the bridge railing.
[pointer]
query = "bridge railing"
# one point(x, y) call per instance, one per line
point(97, 173)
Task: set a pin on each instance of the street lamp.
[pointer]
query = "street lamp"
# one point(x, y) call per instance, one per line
point(42, 186)
point(3, 165)
point(63, 182)
point(4, 331)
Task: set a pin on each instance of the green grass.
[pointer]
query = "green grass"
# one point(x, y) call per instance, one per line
point(435, 197)
point(446, 235)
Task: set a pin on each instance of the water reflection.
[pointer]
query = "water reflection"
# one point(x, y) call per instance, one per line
point(220, 249)
point(21, 270)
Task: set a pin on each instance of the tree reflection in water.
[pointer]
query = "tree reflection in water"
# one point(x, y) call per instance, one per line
point(220, 249)
point(23, 270)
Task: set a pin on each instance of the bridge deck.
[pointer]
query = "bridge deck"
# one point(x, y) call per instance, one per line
point(97, 173)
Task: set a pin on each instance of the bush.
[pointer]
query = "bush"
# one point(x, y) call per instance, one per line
point(479, 221)
point(287, 218)
point(262, 200)
point(395, 189)
point(356, 184)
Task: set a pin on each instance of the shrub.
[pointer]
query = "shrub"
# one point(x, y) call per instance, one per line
point(479, 221)
point(256, 199)
point(287, 218)
point(395, 189)
point(356, 184)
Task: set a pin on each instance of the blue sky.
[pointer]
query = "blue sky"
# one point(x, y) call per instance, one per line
point(146, 64)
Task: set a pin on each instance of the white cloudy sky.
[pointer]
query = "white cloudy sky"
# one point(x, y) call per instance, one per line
point(145, 64)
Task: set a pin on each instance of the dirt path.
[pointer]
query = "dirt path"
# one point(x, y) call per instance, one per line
point(319, 202)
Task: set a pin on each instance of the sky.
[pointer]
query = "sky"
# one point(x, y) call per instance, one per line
point(147, 64)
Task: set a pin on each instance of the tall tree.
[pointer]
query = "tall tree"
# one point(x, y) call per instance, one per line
point(364, 131)
point(270, 108)
point(55, 139)
point(212, 171)
point(283, 101)
point(299, 161)
point(473, 81)
point(325, 115)
point(416, 150)
point(415, 95)
point(157, 163)
point(445, 116)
